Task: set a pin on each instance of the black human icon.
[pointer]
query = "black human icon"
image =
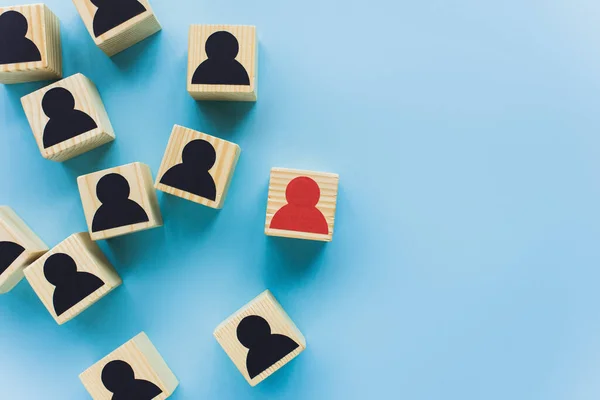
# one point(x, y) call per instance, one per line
point(65, 121)
point(265, 349)
point(221, 67)
point(192, 175)
point(71, 285)
point(112, 13)
point(9, 252)
point(116, 209)
point(14, 46)
point(119, 378)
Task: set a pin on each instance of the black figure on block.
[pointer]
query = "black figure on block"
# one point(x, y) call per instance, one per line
point(9, 252)
point(116, 209)
point(221, 67)
point(65, 121)
point(71, 286)
point(265, 349)
point(112, 13)
point(192, 175)
point(14, 46)
point(119, 378)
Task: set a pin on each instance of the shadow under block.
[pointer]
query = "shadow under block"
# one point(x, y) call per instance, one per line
point(147, 365)
point(303, 210)
point(246, 59)
point(43, 31)
point(129, 203)
point(91, 265)
point(19, 247)
point(141, 25)
point(264, 308)
point(226, 157)
point(87, 100)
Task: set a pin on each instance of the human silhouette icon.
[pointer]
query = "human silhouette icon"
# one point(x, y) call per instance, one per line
point(119, 378)
point(71, 286)
point(112, 13)
point(65, 121)
point(300, 213)
point(116, 209)
point(9, 252)
point(14, 46)
point(265, 348)
point(221, 67)
point(192, 175)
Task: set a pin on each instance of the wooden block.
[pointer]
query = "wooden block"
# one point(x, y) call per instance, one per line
point(230, 73)
point(133, 371)
point(205, 175)
point(19, 247)
point(119, 25)
point(30, 49)
point(68, 118)
point(119, 201)
point(301, 204)
point(260, 338)
point(71, 277)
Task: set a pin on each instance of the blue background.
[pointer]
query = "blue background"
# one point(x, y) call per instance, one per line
point(465, 262)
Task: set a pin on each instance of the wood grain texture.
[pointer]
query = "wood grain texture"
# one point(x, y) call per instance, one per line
point(328, 183)
point(227, 157)
point(146, 362)
point(123, 36)
point(14, 229)
point(247, 56)
point(87, 99)
point(140, 181)
point(89, 258)
point(267, 307)
point(44, 31)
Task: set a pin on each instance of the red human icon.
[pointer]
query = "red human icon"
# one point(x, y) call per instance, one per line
point(301, 213)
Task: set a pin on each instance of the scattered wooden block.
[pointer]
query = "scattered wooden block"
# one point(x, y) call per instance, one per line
point(30, 49)
point(301, 204)
point(68, 118)
point(197, 167)
point(222, 62)
point(260, 338)
point(19, 247)
point(119, 201)
point(71, 277)
point(116, 26)
point(133, 371)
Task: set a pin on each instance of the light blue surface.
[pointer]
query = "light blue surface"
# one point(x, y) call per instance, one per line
point(465, 262)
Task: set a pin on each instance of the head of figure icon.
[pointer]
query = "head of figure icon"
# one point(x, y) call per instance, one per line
point(303, 191)
point(199, 154)
point(252, 331)
point(111, 188)
point(222, 46)
point(58, 268)
point(57, 102)
point(13, 24)
point(117, 374)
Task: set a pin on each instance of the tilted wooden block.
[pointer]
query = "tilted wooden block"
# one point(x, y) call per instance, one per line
point(68, 118)
point(19, 247)
point(71, 277)
point(260, 338)
point(222, 62)
point(301, 204)
point(197, 167)
point(119, 201)
point(30, 48)
point(117, 25)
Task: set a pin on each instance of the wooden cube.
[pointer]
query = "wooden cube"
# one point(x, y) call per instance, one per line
point(30, 49)
point(260, 338)
point(71, 277)
point(68, 118)
point(19, 247)
point(136, 367)
point(301, 204)
point(197, 167)
point(222, 62)
point(119, 201)
point(119, 25)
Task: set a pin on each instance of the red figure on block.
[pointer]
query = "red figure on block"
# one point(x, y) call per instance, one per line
point(301, 213)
